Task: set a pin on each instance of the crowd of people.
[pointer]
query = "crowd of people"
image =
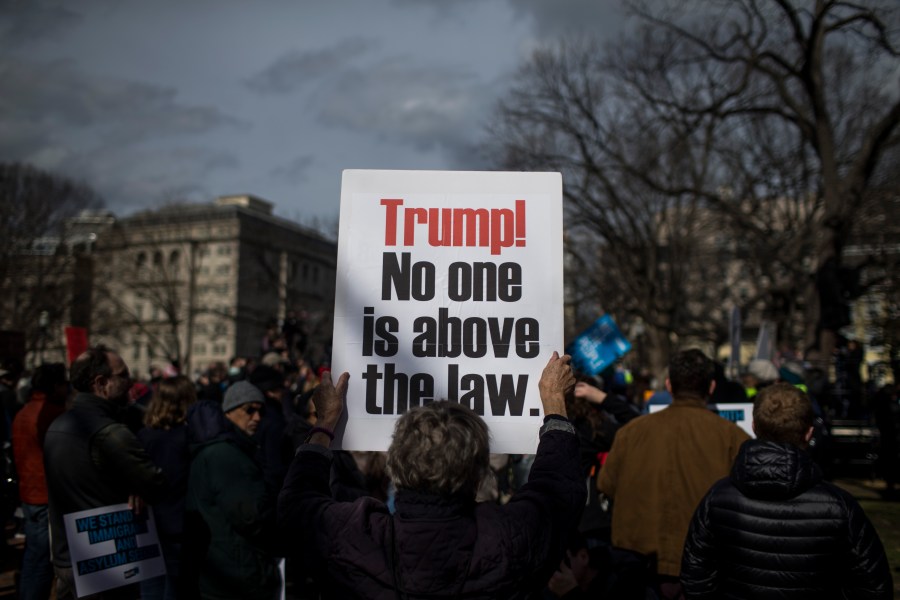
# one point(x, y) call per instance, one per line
point(619, 501)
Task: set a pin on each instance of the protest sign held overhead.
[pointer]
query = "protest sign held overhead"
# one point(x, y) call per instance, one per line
point(111, 546)
point(449, 286)
point(598, 346)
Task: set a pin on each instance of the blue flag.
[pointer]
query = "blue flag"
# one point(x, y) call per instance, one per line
point(598, 346)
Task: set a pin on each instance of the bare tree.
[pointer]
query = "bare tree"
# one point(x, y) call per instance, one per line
point(715, 160)
point(38, 259)
point(805, 100)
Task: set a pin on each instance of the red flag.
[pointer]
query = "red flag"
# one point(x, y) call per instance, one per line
point(76, 342)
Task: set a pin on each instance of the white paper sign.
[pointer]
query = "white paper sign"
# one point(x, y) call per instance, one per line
point(110, 547)
point(449, 286)
point(739, 413)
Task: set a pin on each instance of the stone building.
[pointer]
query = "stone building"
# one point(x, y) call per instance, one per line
point(194, 284)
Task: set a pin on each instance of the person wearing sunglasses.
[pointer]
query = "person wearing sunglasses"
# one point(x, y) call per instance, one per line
point(229, 546)
point(93, 460)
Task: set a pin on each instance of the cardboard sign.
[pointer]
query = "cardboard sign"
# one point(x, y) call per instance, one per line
point(449, 287)
point(739, 413)
point(599, 346)
point(110, 547)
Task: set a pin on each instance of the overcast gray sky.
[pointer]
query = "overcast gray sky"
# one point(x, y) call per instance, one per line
point(154, 101)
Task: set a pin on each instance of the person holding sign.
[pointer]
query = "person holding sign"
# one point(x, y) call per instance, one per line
point(93, 460)
point(440, 543)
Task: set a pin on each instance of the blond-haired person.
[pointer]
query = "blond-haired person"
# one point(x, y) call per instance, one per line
point(774, 528)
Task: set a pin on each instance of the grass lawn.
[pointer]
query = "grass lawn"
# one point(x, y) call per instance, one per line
point(885, 516)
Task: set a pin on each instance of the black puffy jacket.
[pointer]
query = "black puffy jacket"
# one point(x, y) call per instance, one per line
point(774, 529)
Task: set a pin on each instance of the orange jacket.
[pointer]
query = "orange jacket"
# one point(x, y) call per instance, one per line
point(28, 431)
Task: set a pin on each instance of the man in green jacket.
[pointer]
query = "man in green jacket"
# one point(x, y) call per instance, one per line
point(227, 503)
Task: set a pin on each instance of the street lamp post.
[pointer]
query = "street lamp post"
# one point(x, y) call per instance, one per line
point(43, 322)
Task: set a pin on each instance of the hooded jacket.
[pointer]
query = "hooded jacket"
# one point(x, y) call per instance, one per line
point(774, 529)
point(435, 546)
point(230, 517)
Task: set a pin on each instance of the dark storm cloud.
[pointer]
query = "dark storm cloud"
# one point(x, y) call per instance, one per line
point(27, 21)
point(398, 101)
point(48, 106)
point(128, 177)
point(549, 20)
point(291, 71)
point(295, 171)
point(101, 130)
point(558, 20)
point(59, 96)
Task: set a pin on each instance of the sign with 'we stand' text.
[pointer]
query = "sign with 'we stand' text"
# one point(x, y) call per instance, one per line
point(449, 287)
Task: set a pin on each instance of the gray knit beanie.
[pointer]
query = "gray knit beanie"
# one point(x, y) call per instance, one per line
point(241, 393)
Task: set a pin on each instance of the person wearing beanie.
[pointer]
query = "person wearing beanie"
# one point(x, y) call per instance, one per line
point(275, 447)
point(230, 537)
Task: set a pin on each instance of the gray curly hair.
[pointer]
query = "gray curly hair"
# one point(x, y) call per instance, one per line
point(441, 448)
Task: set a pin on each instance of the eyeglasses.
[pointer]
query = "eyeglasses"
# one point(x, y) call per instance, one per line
point(252, 410)
point(126, 374)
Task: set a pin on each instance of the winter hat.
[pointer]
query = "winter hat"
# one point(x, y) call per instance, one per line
point(266, 378)
point(791, 372)
point(239, 394)
point(272, 359)
point(764, 370)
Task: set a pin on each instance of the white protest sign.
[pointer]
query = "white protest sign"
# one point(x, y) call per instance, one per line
point(449, 286)
point(739, 413)
point(111, 546)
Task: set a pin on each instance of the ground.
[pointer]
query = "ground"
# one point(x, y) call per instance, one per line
point(883, 514)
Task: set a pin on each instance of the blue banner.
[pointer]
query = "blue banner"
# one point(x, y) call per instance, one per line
point(597, 347)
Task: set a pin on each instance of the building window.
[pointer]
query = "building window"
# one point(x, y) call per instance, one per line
point(141, 260)
point(315, 275)
point(157, 259)
point(223, 270)
point(139, 311)
point(174, 259)
point(200, 349)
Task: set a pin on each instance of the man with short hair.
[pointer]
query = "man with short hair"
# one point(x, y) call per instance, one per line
point(227, 501)
point(661, 464)
point(92, 459)
point(439, 543)
point(774, 528)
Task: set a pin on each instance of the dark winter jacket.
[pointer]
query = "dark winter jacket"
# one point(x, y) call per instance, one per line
point(229, 528)
point(93, 460)
point(774, 529)
point(435, 547)
point(168, 448)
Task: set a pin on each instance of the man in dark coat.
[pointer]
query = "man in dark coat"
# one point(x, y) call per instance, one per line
point(230, 517)
point(440, 543)
point(92, 459)
point(774, 529)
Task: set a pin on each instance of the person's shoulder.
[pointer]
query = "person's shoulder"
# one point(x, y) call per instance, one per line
point(836, 494)
point(115, 434)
